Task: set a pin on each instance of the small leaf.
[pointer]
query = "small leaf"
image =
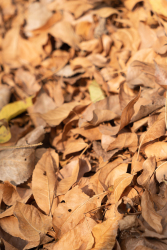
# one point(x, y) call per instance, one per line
point(96, 94)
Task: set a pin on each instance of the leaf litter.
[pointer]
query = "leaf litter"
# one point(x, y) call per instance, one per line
point(83, 143)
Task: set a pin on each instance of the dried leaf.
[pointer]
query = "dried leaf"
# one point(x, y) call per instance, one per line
point(120, 184)
point(17, 164)
point(149, 166)
point(44, 181)
point(149, 213)
point(31, 221)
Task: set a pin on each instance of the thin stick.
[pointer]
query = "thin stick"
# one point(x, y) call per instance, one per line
point(22, 146)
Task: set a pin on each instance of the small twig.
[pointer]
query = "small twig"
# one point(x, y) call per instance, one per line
point(22, 146)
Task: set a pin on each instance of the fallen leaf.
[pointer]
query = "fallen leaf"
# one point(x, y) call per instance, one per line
point(56, 116)
point(44, 181)
point(25, 157)
point(120, 184)
point(149, 166)
point(77, 237)
point(149, 213)
point(32, 222)
point(157, 149)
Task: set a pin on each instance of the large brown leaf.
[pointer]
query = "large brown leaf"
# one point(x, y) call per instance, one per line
point(44, 181)
point(32, 222)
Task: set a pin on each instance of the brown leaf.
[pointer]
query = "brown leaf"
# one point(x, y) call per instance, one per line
point(149, 166)
point(105, 233)
point(137, 163)
point(65, 184)
point(149, 213)
point(120, 184)
point(64, 31)
point(160, 75)
point(91, 134)
point(71, 209)
point(73, 146)
point(56, 116)
point(77, 237)
point(161, 171)
point(23, 157)
point(125, 140)
point(128, 112)
point(44, 181)
point(157, 149)
point(31, 221)
point(11, 194)
point(11, 226)
point(101, 152)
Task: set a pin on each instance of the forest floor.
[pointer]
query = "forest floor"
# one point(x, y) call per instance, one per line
point(83, 142)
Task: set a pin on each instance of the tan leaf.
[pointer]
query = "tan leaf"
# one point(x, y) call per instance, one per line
point(11, 194)
point(11, 226)
point(77, 237)
point(155, 131)
point(64, 31)
point(120, 184)
point(161, 171)
point(128, 112)
point(44, 181)
point(149, 213)
point(105, 233)
point(71, 210)
point(65, 184)
point(157, 149)
point(149, 166)
point(91, 134)
point(17, 164)
point(73, 146)
point(124, 140)
point(31, 221)
point(137, 163)
point(56, 116)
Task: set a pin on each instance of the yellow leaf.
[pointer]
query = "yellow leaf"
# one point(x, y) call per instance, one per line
point(5, 134)
point(96, 94)
point(14, 109)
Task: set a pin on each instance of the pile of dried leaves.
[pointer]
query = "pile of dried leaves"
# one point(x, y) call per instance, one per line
point(82, 124)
